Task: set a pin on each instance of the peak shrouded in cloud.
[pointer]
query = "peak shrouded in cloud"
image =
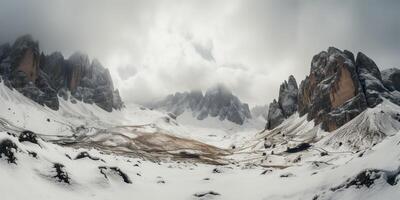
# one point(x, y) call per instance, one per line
point(153, 48)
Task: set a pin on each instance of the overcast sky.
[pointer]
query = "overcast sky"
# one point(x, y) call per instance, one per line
point(154, 48)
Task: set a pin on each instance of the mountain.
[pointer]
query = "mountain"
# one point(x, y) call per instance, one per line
point(286, 104)
point(338, 88)
point(81, 147)
point(44, 78)
point(218, 101)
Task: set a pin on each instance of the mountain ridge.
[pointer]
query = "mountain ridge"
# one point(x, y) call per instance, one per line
point(338, 88)
point(217, 101)
point(44, 78)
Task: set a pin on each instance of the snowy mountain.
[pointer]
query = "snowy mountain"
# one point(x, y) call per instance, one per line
point(82, 151)
point(45, 77)
point(338, 88)
point(218, 101)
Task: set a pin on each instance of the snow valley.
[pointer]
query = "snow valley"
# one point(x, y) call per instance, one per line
point(65, 133)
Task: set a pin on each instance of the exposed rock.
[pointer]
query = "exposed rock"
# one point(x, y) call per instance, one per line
point(217, 102)
point(288, 96)
point(337, 89)
point(43, 78)
point(205, 194)
point(371, 80)
point(286, 105)
point(332, 93)
point(61, 173)
point(298, 148)
point(275, 115)
point(106, 171)
point(8, 148)
point(28, 136)
point(85, 154)
point(368, 177)
point(391, 78)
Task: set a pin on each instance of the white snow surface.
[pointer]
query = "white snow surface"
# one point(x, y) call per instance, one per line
point(252, 170)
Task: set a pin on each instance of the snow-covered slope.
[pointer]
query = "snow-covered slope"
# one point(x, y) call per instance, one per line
point(83, 152)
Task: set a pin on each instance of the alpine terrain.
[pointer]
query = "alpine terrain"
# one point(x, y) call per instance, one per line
point(65, 133)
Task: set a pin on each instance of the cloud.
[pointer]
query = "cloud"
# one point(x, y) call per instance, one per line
point(205, 51)
point(126, 72)
point(153, 48)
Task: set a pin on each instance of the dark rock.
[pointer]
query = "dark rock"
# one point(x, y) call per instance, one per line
point(266, 171)
point(286, 105)
point(85, 154)
point(391, 78)
point(28, 136)
point(298, 148)
point(275, 115)
point(61, 173)
point(370, 78)
point(368, 177)
point(203, 194)
point(216, 171)
point(332, 93)
point(43, 78)
point(7, 148)
point(286, 175)
point(33, 154)
point(106, 170)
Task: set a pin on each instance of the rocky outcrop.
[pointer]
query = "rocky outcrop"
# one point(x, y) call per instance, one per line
point(391, 79)
point(216, 102)
point(275, 115)
point(339, 88)
point(41, 77)
point(332, 93)
point(286, 105)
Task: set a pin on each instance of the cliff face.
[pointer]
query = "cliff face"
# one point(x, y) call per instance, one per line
point(41, 77)
point(332, 93)
point(286, 104)
point(338, 88)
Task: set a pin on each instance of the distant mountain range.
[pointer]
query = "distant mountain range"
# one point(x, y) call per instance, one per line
point(218, 101)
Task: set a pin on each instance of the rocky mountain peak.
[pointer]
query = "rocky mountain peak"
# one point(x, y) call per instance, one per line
point(218, 101)
point(337, 89)
point(286, 104)
point(41, 77)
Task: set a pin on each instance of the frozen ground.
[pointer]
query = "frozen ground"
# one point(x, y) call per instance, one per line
point(143, 154)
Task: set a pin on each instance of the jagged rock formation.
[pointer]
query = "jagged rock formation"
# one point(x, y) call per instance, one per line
point(286, 105)
point(41, 77)
point(217, 102)
point(332, 93)
point(338, 88)
point(391, 79)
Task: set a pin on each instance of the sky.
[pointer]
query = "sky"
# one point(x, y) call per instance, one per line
point(154, 48)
